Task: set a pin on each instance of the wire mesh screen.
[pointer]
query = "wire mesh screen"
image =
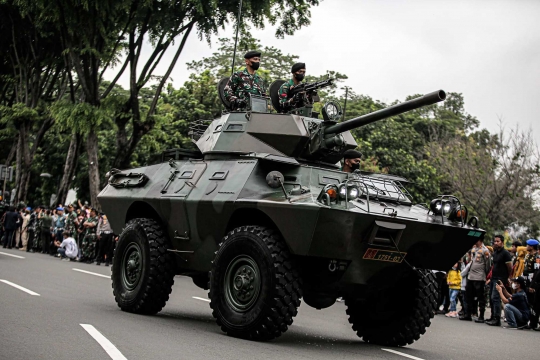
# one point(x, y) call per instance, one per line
point(197, 128)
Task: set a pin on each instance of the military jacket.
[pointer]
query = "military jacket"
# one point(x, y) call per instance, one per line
point(32, 222)
point(70, 222)
point(528, 268)
point(286, 101)
point(241, 84)
point(92, 230)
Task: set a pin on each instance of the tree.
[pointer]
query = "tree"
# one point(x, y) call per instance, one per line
point(35, 62)
point(94, 32)
point(498, 181)
point(163, 22)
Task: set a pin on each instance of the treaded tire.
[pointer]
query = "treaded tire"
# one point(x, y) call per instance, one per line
point(395, 330)
point(150, 292)
point(280, 285)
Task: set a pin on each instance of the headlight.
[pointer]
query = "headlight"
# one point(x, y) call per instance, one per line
point(350, 192)
point(450, 207)
point(438, 207)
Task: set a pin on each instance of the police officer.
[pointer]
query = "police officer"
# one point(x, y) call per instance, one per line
point(530, 258)
point(288, 102)
point(246, 82)
point(351, 160)
point(105, 240)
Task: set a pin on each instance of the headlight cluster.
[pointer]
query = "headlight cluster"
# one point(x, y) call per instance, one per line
point(450, 207)
point(332, 193)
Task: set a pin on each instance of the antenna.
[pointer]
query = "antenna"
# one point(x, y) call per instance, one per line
point(236, 39)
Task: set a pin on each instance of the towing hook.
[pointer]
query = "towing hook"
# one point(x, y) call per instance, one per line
point(332, 266)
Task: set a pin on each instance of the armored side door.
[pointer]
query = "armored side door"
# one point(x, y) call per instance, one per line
point(185, 176)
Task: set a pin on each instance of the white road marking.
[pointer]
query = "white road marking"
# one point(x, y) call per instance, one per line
point(108, 346)
point(15, 256)
point(200, 298)
point(92, 273)
point(402, 354)
point(20, 288)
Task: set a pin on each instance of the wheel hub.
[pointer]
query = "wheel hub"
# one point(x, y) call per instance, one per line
point(131, 266)
point(242, 283)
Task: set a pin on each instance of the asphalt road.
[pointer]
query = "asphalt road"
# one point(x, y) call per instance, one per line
point(48, 326)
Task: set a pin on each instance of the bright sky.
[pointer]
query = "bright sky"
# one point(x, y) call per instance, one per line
point(487, 50)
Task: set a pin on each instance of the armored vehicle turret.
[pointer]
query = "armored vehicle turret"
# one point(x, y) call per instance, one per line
point(263, 217)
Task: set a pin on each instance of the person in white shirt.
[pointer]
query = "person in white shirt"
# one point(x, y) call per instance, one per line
point(68, 247)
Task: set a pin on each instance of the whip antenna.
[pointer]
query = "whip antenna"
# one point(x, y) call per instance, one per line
point(236, 39)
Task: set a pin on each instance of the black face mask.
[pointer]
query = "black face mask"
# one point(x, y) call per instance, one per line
point(255, 65)
point(299, 77)
point(354, 166)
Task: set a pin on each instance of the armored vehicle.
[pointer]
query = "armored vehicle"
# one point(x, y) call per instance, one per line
point(263, 217)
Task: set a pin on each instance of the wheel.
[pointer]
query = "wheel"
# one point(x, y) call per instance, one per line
point(143, 269)
point(255, 289)
point(395, 315)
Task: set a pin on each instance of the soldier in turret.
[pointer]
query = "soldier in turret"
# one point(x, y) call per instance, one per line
point(288, 102)
point(245, 82)
point(351, 160)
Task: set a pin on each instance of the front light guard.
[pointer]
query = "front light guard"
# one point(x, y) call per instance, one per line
point(449, 206)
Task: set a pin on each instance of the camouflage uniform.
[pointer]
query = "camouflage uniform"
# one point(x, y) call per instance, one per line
point(38, 224)
point(241, 84)
point(89, 240)
point(70, 223)
point(288, 103)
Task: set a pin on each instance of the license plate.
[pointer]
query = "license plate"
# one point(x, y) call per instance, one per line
point(384, 255)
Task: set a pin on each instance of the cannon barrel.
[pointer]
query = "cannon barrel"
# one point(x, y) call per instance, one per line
point(394, 110)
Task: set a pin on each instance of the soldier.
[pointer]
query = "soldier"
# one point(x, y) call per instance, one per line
point(351, 160)
point(90, 237)
point(59, 225)
point(30, 228)
point(71, 217)
point(36, 243)
point(244, 83)
point(300, 99)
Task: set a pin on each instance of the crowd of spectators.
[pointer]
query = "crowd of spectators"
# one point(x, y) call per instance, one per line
point(77, 232)
point(508, 281)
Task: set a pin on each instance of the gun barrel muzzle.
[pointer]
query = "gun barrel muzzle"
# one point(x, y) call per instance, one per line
point(428, 99)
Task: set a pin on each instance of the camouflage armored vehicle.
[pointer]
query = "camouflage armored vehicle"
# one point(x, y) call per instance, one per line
point(262, 216)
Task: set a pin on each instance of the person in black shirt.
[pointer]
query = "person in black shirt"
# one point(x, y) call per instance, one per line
point(10, 225)
point(502, 268)
point(516, 306)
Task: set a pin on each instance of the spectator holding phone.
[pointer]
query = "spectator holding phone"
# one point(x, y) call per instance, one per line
point(68, 247)
point(516, 306)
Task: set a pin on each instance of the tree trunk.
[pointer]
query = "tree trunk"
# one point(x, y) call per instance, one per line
point(18, 170)
point(69, 168)
point(9, 159)
point(93, 167)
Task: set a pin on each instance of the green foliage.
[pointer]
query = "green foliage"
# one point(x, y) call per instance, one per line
point(274, 64)
point(80, 118)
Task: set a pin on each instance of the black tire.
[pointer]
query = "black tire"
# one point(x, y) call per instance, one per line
point(267, 311)
point(143, 269)
point(397, 315)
